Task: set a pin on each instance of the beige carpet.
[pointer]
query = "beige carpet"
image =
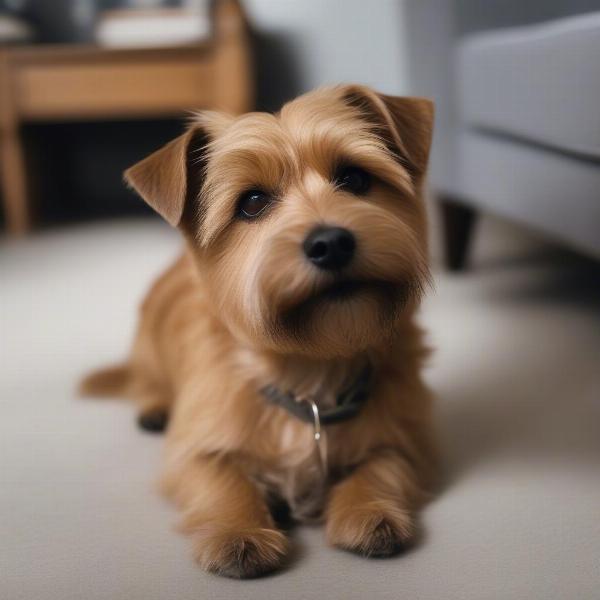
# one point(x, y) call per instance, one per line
point(517, 373)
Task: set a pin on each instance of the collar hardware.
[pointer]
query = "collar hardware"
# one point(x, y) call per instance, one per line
point(348, 403)
point(319, 436)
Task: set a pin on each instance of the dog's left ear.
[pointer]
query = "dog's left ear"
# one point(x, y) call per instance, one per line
point(405, 124)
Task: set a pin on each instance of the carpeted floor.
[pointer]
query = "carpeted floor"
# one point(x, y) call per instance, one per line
point(516, 371)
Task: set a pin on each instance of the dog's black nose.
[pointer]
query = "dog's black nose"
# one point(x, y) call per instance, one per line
point(329, 247)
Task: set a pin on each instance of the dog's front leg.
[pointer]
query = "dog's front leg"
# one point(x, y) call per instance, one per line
point(226, 515)
point(372, 511)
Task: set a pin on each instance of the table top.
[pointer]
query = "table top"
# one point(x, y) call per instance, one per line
point(43, 53)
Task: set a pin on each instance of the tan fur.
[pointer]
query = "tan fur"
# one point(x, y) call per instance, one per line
point(214, 330)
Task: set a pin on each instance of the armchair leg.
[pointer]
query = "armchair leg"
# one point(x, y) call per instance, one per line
point(458, 222)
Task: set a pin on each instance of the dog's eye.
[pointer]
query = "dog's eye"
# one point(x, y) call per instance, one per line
point(353, 179)
point(252, 203)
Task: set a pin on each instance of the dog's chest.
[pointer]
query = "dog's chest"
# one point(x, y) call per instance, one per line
point(303, 468)
point(300, 477)
point(298, 466)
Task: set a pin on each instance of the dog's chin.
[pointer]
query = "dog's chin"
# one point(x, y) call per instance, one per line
point(353, 312)
point(345, 292)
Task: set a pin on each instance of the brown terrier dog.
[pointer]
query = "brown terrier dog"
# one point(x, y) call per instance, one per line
point(283, 345)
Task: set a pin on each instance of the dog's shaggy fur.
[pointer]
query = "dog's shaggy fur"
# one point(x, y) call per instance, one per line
point(243, 308)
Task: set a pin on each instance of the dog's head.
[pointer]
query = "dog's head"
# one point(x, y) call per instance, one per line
point(308, 226)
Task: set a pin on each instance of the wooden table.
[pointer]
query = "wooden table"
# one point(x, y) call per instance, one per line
point(67, 83)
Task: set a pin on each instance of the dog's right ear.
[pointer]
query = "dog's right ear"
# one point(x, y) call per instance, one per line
point(171, 176)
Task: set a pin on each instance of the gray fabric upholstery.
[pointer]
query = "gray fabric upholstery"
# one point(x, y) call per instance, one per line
point(538, 82)
point(532, 88)
point(558, 193)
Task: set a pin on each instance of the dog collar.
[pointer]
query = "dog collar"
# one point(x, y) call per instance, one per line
point(347, 405)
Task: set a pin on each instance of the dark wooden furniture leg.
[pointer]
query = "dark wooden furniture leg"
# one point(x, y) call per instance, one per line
point(458, 222)
point(13, 186)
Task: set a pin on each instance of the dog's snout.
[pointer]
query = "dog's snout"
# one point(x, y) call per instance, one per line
point(329, 247)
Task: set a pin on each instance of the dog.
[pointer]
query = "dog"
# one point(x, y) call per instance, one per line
point(282, 345)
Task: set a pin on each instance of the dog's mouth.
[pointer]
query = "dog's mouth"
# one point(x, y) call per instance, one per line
point(373, 304)
point(345, 289)
point(344, 292)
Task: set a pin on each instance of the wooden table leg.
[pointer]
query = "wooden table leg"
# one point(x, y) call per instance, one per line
point(12, 176)
point(13, 185)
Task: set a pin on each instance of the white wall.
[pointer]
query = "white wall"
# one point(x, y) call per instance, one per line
point(333, 41)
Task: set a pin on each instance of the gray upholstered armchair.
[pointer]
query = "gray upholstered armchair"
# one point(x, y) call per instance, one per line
point(517, 86)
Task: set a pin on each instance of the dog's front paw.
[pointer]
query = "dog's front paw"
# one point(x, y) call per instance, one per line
point(240, 554)
point(376, 529)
